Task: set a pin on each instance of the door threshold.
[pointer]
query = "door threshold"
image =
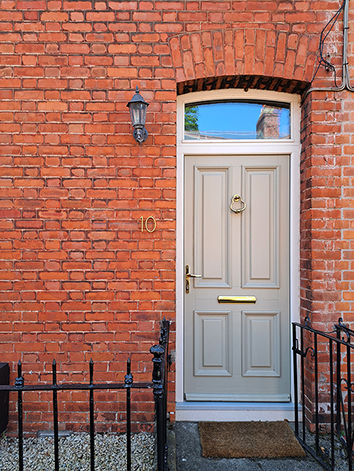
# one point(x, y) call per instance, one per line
point(234, 411)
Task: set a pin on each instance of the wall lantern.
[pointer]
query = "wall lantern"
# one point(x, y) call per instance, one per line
point(137, 106)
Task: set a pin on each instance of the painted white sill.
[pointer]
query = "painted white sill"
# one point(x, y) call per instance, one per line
point(234, 411)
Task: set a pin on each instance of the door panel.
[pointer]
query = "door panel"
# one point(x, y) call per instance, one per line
point(212, 343)
point(237, 352)
point(260, 231)
point(211, 236)
point(260, 344)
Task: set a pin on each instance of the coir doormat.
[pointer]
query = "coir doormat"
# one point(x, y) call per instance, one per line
point(249, 440)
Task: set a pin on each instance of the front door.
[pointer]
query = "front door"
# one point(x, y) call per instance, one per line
point(237, 310)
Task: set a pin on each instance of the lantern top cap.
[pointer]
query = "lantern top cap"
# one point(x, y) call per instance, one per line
point(137, 98)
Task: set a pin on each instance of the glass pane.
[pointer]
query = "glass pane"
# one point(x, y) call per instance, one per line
point(137, 113)
point(237, 120)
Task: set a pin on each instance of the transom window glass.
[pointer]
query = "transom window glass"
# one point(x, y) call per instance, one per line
point(236, 120)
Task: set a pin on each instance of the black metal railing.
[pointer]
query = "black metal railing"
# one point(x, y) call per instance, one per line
point(323, 387)
point(345, 422)
point(161, 395)
point(158, 385)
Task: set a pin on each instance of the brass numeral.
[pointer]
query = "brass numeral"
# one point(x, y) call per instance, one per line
point(149, 225)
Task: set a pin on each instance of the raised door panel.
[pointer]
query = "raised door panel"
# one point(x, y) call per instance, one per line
point(212, 346)
point(260, 228)
point(261, 343)
point(211, 235)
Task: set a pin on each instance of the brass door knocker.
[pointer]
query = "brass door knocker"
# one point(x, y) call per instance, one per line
point(237, 199)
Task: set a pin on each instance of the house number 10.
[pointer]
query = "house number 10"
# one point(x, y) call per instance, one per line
point(149, 224)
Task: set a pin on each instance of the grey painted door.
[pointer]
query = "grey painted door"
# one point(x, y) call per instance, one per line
point(237, 351)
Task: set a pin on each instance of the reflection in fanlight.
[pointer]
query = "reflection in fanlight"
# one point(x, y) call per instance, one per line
point(236, 120)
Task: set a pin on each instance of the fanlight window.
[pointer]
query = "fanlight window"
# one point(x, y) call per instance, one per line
point(236, 120)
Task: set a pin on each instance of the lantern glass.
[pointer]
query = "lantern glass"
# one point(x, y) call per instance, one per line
point(137, 113)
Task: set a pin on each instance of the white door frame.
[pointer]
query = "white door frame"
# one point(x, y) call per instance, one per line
point(236, 411)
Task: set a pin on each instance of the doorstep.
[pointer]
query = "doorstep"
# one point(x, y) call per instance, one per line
point(234, 411)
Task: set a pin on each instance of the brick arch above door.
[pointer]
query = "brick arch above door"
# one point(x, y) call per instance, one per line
point(244, 52)
point(244, 82)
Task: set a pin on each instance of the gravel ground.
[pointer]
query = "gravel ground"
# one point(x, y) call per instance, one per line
point(74, 453)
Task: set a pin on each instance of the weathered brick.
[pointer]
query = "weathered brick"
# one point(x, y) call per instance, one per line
point(78, 276)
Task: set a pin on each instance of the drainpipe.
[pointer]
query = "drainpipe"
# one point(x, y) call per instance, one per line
point(345, 85)
point(345, 46)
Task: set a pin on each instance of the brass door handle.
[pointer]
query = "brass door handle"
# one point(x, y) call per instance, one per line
point(190, 275)
point(237, 199)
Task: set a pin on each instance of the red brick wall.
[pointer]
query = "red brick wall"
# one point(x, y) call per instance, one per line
point(327, 214)
point(79, 280)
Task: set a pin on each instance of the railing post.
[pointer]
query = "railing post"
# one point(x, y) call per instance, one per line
point(338, 381)
point(349, 405)
point(317, 426)
point(92, 420)
point(55, 417)
point(164, 342)
point(128, 382)
point(19, 383)
point(302, 379)
point(157, 380)
point(296, 399)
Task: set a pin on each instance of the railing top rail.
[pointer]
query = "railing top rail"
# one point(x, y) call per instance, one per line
point(323, 334)
point(75, 386)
